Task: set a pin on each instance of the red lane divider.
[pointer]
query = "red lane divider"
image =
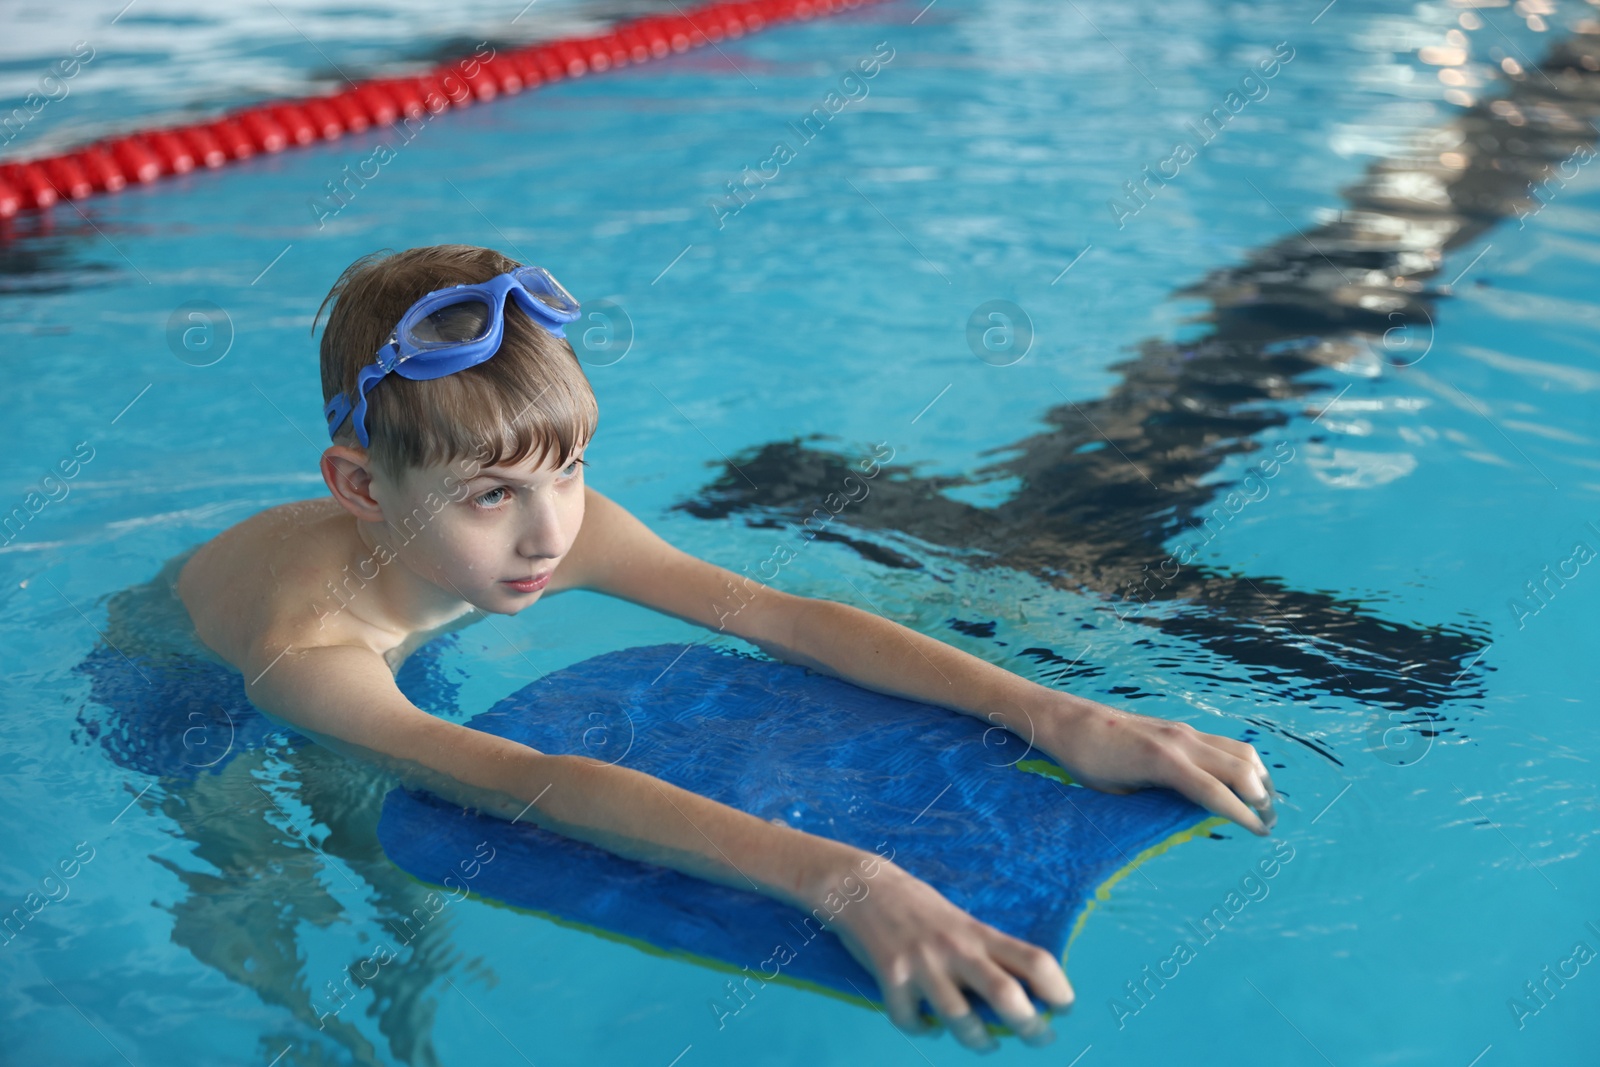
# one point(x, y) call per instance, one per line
point(110, 164)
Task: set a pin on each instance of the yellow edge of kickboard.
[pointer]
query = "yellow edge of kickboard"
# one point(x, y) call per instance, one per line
point(681, 955)
point(1103, 890)
point(1049, 770)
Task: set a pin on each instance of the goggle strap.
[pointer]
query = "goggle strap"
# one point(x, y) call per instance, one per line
point(370, 375)
point(339, 408)
point(336, 411)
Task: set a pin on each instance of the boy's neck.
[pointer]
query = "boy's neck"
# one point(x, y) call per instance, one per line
point(402, 600)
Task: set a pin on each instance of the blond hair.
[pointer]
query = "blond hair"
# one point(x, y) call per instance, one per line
point(531, 398)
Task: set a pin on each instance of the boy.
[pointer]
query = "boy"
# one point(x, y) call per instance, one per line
point(457, 491)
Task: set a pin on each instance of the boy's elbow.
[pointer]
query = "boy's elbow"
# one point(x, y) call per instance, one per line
point(786, 630)
point(494, 775)
point(473, 757)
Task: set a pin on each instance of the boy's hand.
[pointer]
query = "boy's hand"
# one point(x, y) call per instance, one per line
point(1120, 752)
point(921, 946)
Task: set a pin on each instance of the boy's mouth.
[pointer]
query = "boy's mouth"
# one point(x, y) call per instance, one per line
point(530, 585)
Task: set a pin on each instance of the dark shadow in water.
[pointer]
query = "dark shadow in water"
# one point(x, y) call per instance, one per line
point(1117, 479)
point(43, 263)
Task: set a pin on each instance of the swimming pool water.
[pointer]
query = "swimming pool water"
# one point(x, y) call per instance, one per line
point(1431, 876)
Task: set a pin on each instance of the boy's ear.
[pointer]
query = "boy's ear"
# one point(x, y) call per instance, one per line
point(348, 472)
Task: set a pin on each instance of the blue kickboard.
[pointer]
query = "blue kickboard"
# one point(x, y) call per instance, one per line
point(954, 800)
point(958, 802)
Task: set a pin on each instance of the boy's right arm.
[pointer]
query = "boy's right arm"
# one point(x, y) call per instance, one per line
point(918, 944)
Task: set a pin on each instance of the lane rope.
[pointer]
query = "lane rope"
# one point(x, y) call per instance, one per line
point(111, 164)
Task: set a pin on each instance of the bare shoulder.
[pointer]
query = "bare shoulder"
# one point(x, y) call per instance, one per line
point(265, 580)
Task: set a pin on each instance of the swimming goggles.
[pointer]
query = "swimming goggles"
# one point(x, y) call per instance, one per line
point(452, 329)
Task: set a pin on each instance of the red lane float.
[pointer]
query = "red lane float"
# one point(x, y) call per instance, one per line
point(110, 164)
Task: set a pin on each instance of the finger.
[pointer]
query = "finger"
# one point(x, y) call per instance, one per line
point(1239, 775)
point(1205, 789)
point(1240, 766)
point(902, 1004)
point(970, 1031)
point(956, 1012)
point(1037, 967)
point(1244, 750)
point(1004, 993)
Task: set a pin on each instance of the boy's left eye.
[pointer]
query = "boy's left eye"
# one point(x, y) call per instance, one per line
point(497, 494)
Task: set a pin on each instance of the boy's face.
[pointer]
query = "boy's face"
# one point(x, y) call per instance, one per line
point(481, 533)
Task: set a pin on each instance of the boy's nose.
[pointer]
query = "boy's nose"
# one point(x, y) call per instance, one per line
point(542, 535)
point(540, 544)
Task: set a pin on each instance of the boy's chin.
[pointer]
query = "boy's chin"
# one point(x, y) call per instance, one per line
point(499, 599)
point(505, 600)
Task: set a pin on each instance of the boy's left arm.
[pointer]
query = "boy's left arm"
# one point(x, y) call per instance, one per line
point(1102, 747)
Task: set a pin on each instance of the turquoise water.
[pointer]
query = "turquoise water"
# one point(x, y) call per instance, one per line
point(1431, 876)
